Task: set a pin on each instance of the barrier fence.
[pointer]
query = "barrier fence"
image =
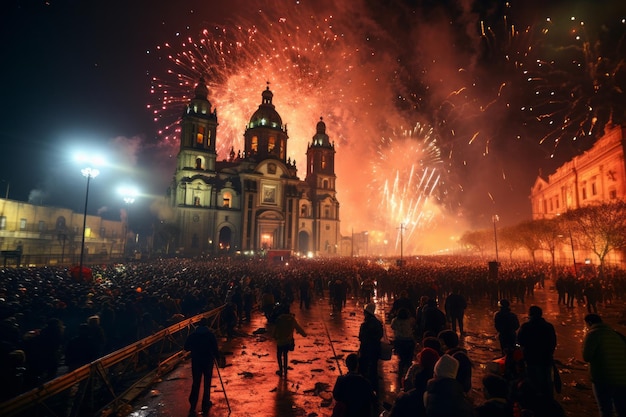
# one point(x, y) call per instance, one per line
point(108, 385)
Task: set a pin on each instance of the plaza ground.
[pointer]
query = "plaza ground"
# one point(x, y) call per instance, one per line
point(248, 385)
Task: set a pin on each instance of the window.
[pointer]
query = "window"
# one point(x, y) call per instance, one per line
point(584, 192)
point(196, 201)
point(200, 135)
point(226, 198)
point(282, 149)
point(327, 212)
point(325, 184)
point(198, 163)
point(303, 211)
point(327, 227)
point(22, 224)
point(324, 162)
point(556, 199)
point(3, 222)
point(254, 144)
point(271, 144)
point(612, 196)
point(594, 190)
point(42, 226)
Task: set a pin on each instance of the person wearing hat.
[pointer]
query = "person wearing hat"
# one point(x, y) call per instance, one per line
point(537, 339)
point(202, 344)
point(370, 333)
point(603, 349)
point(506, 324)
point(444, 394)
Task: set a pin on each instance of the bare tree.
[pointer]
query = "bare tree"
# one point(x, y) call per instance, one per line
point(509, 240)
point(529, 237)
point(550, 236)
point(599, 228)
point(477, 240)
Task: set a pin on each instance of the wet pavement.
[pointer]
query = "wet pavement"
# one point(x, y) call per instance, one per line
point(248, 385)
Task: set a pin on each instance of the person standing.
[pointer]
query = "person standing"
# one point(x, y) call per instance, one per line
point(604, 349)
point(455, 306)
point(284, 327)
point(506, 324)
point(202, 344)
point(353, 392)
point(370, 333)
point(537, 339)
point(403, 341)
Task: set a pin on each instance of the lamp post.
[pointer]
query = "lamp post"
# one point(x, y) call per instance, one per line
point(495, 220)
point(89, 173)
point(401, 243)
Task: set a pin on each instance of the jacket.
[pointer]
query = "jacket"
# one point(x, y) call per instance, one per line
point(605, 350)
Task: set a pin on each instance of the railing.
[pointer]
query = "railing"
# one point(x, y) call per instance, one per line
point(110, 383)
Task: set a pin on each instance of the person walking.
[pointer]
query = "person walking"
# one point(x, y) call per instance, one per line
point(537, 338)
point(370, 333)
point(603, 349)
point(202, 344)
point(403, 341)
point(284, 327)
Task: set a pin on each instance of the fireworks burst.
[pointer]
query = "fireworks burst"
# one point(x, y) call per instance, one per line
point(408, 172)
point(577, 75)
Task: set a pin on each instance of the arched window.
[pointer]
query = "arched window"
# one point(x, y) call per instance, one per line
point(227, 197)
point(303, 211)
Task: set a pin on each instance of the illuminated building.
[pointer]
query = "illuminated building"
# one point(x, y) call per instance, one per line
point(596, 176)
point(253, 200)
point(42, 235)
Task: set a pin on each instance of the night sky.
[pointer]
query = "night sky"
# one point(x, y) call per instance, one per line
point(102, 76)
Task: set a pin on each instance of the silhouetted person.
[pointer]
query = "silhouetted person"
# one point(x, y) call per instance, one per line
point(506, 324)
point(455, 306)
point(537, 339)
point(370, 333)
point(353, 392)
point(284, 328)
point(203, 347)
point(604, 349)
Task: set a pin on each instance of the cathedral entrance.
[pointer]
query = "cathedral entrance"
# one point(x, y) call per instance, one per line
point(269, 230)
point(224, 242)
point(303, 242)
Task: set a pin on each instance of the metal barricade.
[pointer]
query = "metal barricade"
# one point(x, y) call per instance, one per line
point(110, 383)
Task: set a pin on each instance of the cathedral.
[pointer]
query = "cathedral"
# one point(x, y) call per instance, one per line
point(253, 201)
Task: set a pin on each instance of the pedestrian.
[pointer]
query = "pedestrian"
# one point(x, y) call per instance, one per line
point(450, 344)
point(403, 341)
point(455, 306)
point(424, 365)
point(604, 349)
point(444, 395)
point(496, 392)
point(352, 392)
point(202, 344)
point(284, 328)
point(433, 319)
point(506, 324)
point(537, 338)
point(370, 333)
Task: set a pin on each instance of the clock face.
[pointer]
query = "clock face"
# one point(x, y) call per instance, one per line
point(196, 218)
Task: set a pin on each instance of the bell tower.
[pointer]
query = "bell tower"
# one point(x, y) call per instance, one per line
point(198, 131)
point(320, 176)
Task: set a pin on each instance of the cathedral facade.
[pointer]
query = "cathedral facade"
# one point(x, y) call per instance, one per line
point(253, 201)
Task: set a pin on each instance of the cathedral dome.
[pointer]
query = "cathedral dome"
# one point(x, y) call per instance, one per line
point(266, 114)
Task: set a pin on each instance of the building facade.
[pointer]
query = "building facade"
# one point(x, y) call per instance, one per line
point(596, 176)
point(253, 201)
point(39, 235)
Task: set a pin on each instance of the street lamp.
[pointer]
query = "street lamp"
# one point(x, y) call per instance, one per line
point(90, 173)
point(495, 220)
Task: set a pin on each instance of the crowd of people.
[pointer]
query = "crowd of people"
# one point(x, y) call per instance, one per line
point(52, 322)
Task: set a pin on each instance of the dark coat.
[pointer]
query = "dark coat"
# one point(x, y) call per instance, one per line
point(538, 341)
point(203, 346)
